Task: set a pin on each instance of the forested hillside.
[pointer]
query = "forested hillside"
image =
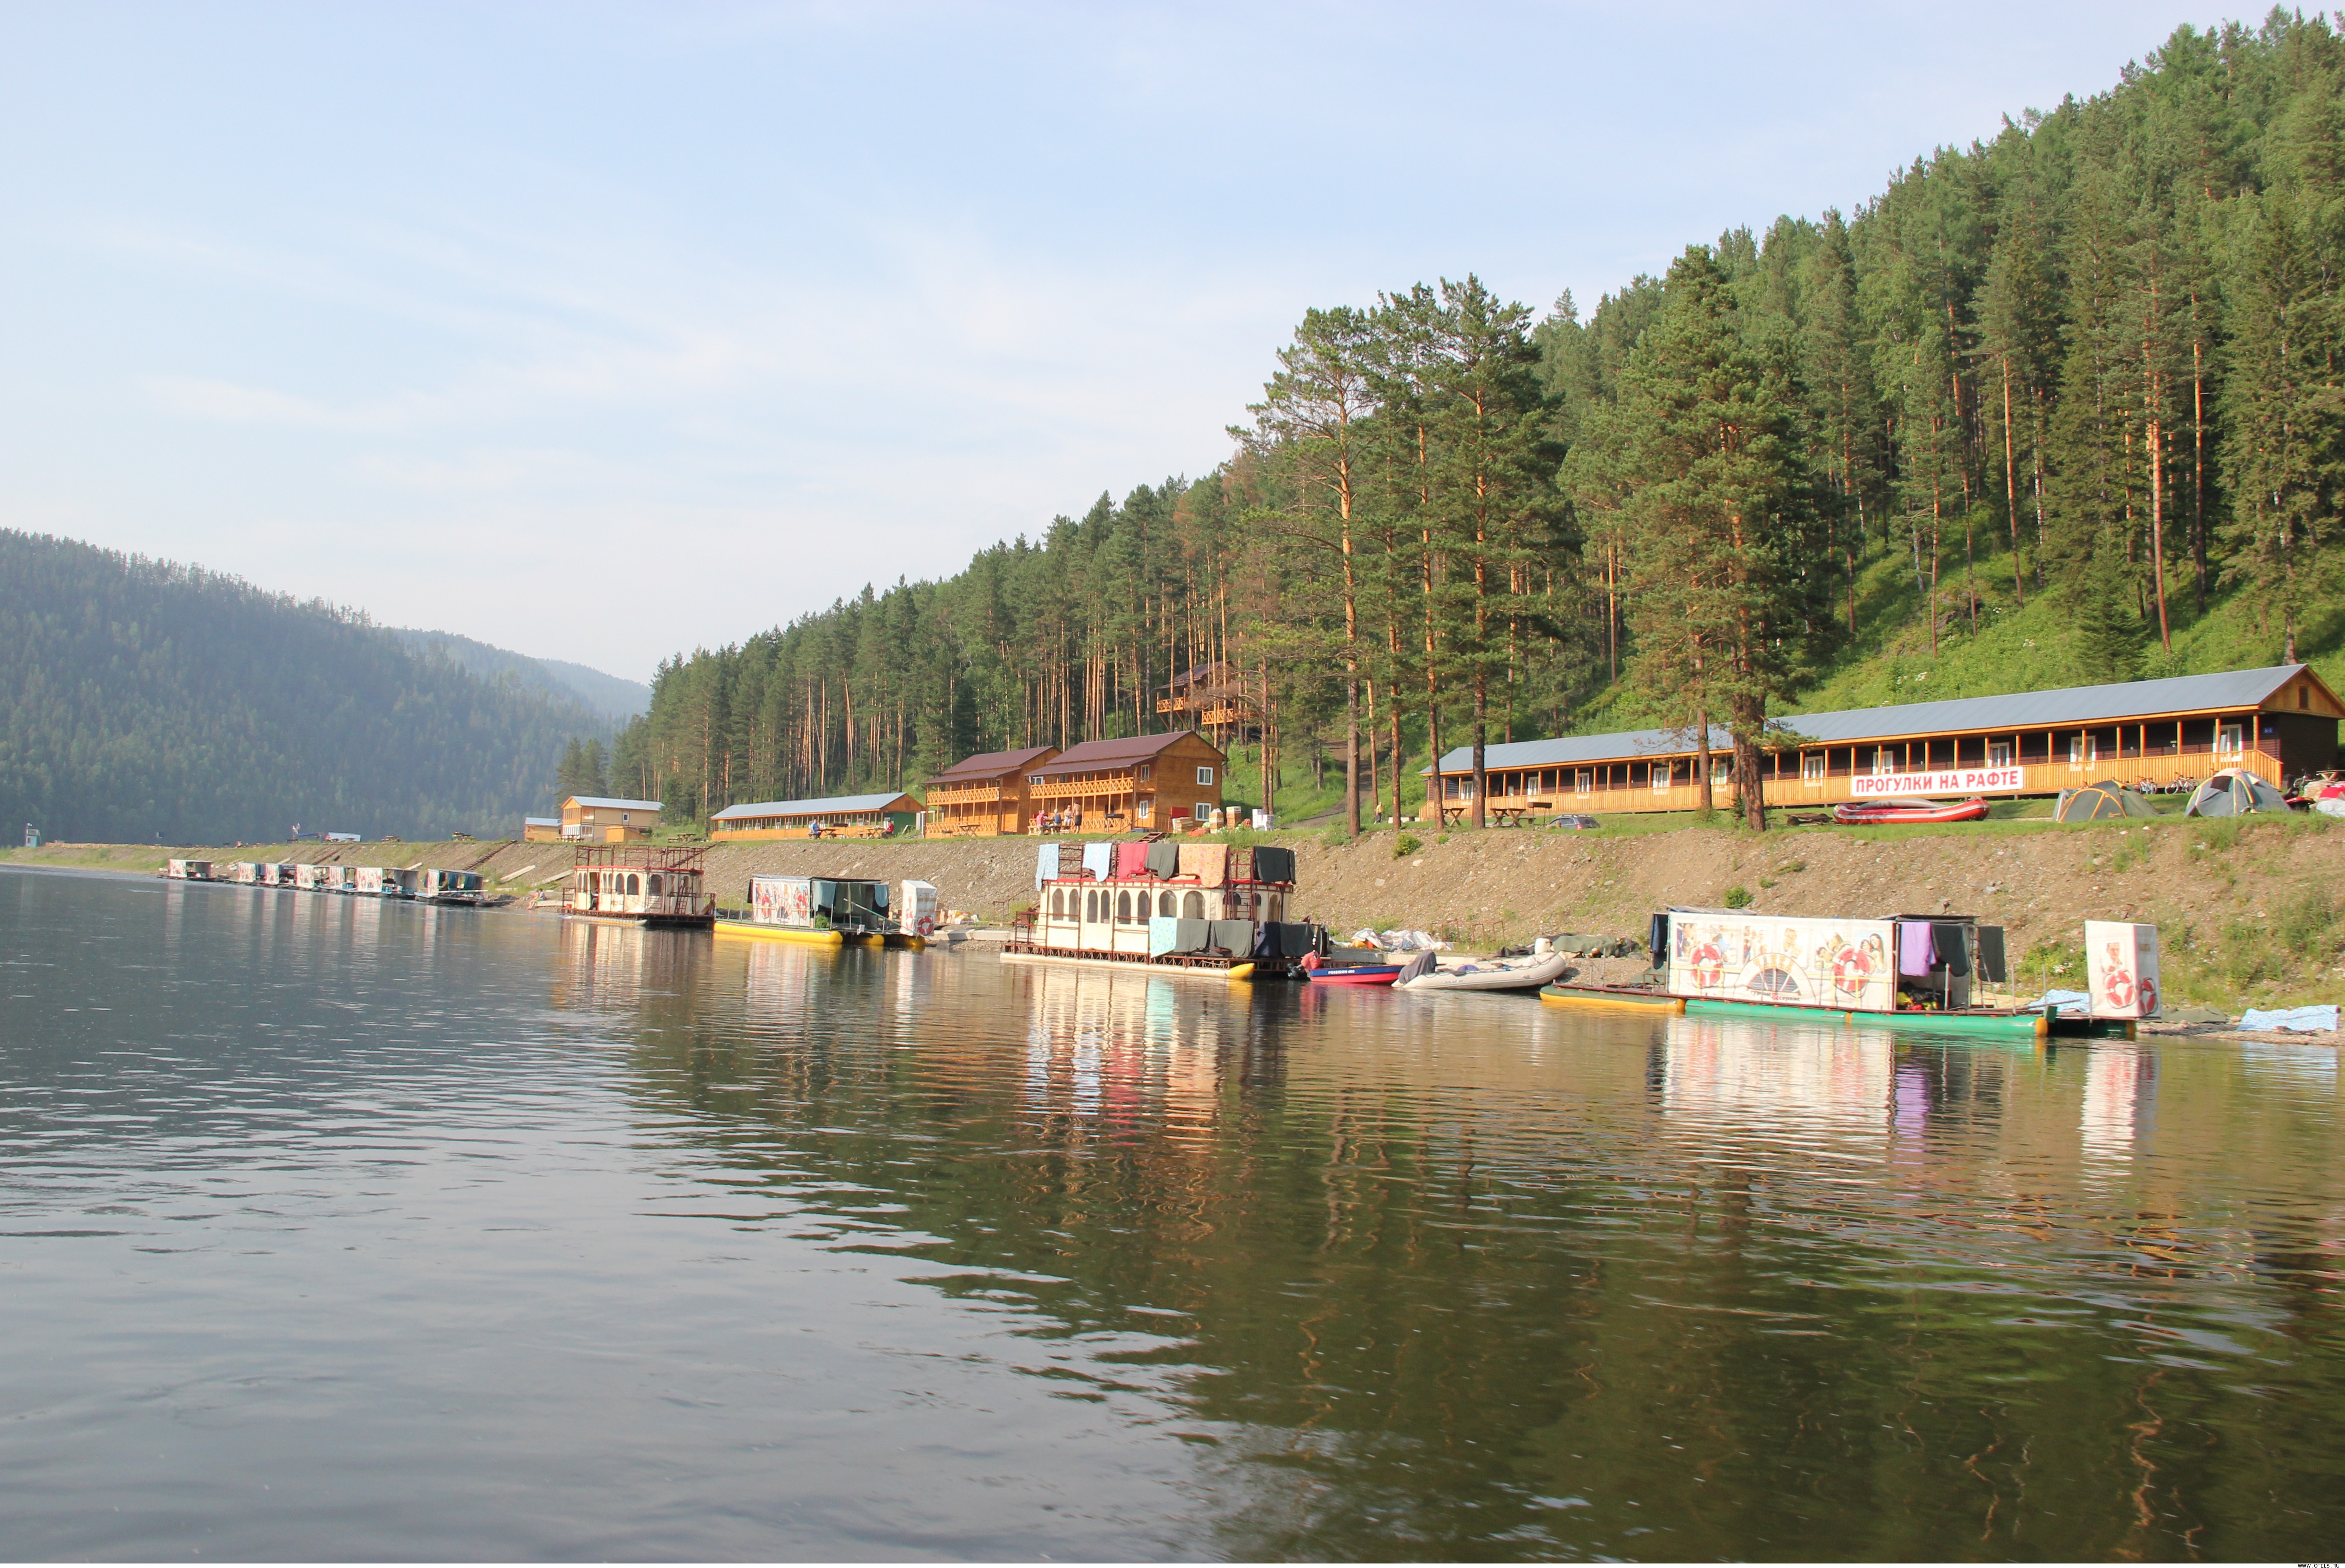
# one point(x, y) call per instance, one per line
point(616, 699)
point(2061, 406)
point(141, 700)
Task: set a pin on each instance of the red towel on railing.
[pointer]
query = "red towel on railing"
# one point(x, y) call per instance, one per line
point(1130, 858)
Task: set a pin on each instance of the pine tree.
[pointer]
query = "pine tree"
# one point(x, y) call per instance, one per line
point(1714, 500)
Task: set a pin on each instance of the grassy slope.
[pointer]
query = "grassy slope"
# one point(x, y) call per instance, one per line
point(1890, 658)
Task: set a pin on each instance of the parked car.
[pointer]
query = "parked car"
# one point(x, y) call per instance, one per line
point(1574, 821)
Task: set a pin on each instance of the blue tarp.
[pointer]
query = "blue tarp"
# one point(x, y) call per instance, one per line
point(2303, 1020)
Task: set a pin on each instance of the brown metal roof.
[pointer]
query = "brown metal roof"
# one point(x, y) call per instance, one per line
point(991, 764)
point(1107, 753)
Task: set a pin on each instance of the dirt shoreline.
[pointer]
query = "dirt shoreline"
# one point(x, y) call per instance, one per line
point(2245, 911)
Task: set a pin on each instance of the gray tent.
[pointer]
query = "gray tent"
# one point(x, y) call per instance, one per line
point(2102, 802)
point(2234, 792)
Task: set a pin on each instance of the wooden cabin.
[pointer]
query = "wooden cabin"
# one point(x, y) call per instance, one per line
point(1136, 785)
point(2279, 723)
point(1217, 696)
point(599, 820)
point(984, 796)
point(541, 830)
point(881, 816)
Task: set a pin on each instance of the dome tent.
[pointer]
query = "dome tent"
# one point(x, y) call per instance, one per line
point(2102, 802)
point(2234, 792)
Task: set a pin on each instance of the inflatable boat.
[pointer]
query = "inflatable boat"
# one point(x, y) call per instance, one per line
point(1904, 810)
point(1490, 973)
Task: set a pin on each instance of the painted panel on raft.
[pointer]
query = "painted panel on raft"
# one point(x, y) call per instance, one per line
point(1808, 963)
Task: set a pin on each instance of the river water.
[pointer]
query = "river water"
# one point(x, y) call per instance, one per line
point(334, 1228)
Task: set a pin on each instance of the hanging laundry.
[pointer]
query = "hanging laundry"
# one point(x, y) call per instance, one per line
point(1164, 859)
point(1917, 953)
point(1235, 936)
point(1046, 863)
point(1274, 863)
point(1131, 859)
point(1209, 863)
point(1099, 862)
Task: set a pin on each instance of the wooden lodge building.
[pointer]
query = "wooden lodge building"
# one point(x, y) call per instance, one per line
point(882, 816)
point(600, 819)
point(984, 796)
point(2278, 723)
point(1139, 784)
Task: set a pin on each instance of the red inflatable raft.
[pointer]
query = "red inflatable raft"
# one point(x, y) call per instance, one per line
point(1970, 810)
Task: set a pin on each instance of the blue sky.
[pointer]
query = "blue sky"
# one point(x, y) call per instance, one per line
point(602, 332)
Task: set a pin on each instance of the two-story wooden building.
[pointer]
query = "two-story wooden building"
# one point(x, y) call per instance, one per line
point(2279, 723)
point(881, 816)
point(1135, 785)
point(600, 819)
point(984, 796)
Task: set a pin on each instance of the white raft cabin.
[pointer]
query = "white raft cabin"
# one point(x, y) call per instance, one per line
point(420, 884)
point(2277, 723)
point(640, 885)
point(835, 910)
point(1166, 904)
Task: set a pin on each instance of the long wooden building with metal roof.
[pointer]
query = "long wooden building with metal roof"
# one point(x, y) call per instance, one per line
point(884, 815)
point(2279, 723)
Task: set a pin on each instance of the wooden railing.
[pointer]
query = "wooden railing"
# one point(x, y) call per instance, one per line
point(2043, 778)
point(1105, 784)
point(959, 794)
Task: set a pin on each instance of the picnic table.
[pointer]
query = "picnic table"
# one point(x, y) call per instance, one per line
point(1505, 816)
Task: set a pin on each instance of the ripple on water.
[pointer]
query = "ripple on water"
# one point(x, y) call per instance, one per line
point(333, 1227)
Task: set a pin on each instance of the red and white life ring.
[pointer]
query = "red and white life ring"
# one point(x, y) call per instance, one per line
point(2118, 989)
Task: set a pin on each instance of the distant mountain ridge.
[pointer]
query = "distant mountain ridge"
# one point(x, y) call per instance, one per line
point(144, 700)
point(615, 698)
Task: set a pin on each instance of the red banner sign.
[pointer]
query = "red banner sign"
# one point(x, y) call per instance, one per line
point(1944, 781)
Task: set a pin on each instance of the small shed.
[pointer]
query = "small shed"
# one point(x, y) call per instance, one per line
point(541, 830)
point(879, 816)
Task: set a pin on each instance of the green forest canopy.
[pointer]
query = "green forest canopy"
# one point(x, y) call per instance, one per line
point(143, 701)
point(2049, 409)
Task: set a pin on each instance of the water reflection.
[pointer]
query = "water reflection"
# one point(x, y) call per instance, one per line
point(2120, 1101)
point(874, 1253)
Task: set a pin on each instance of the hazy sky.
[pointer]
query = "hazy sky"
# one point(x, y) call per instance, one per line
point(600, 333)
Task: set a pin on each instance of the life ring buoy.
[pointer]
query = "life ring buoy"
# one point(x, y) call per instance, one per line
point(2118, 989)
point(2148, 996)
point(1709, 964)
point(1851, 970)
